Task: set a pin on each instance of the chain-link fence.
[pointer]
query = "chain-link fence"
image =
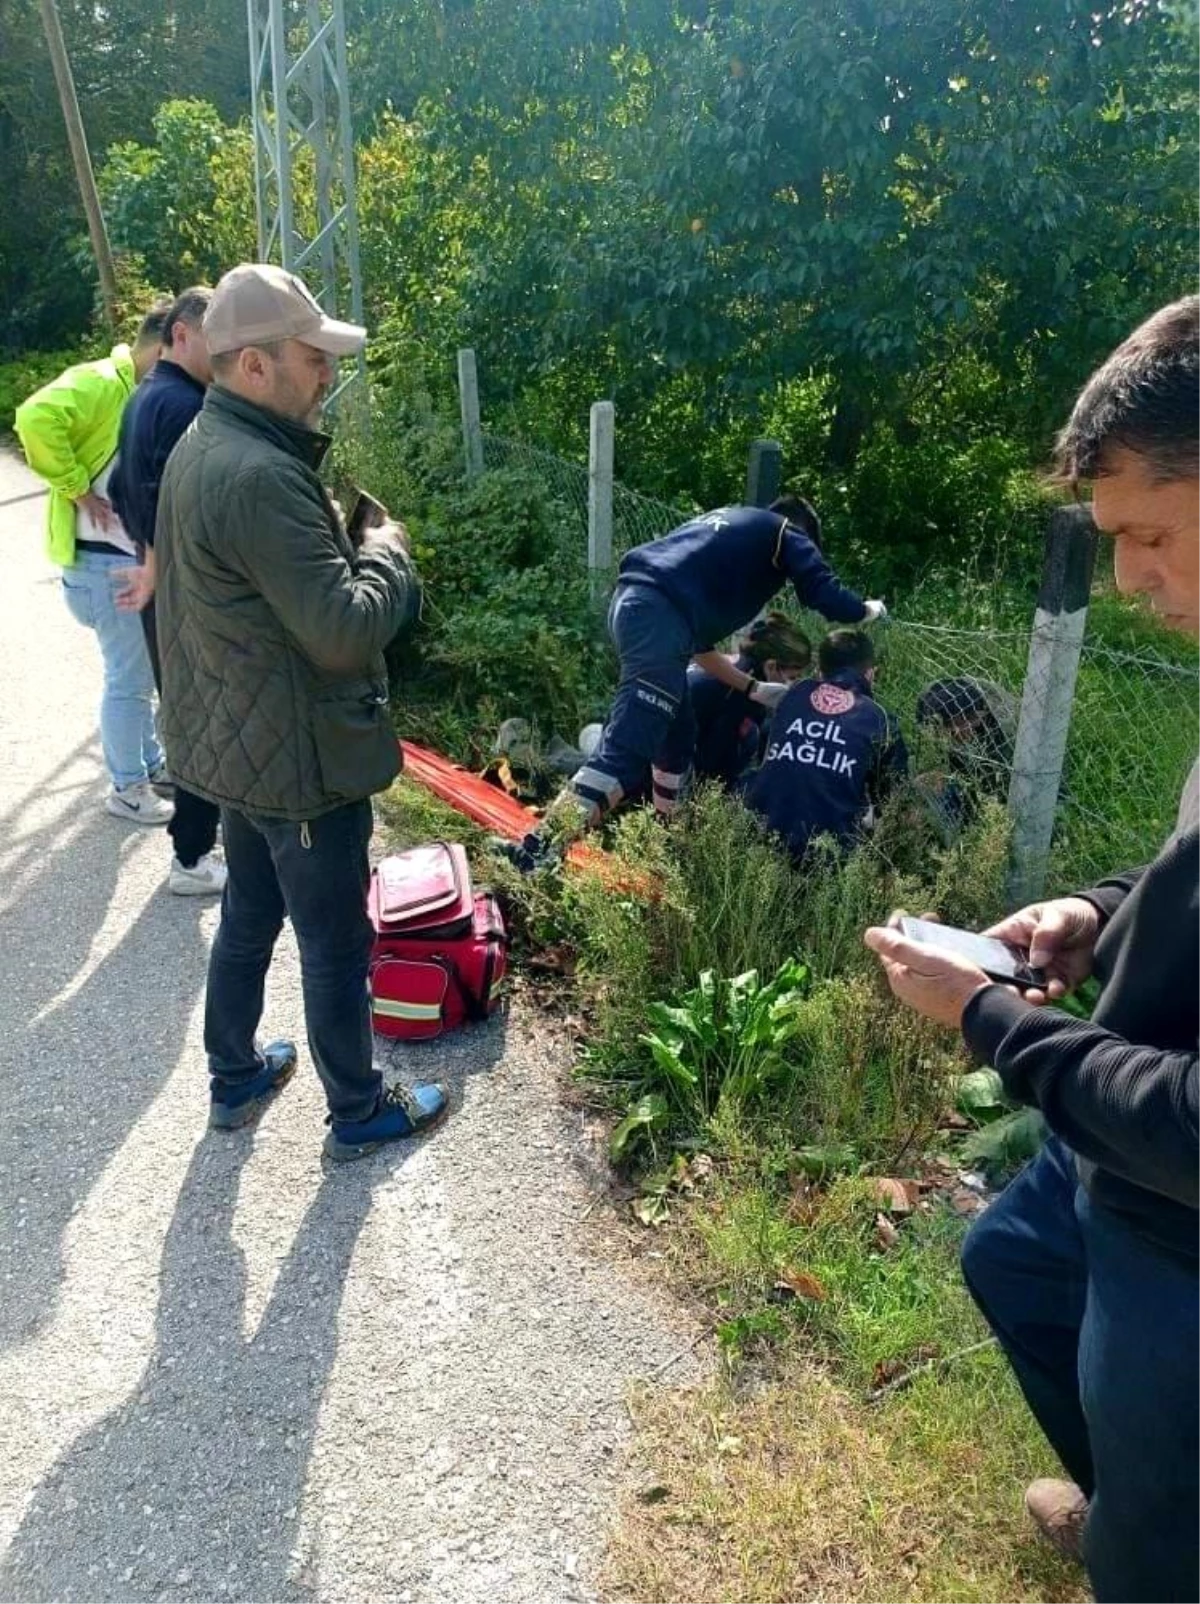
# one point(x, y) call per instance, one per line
point(1133, 738)
point(1128, 720)
point(638, 518)
point(635, 518)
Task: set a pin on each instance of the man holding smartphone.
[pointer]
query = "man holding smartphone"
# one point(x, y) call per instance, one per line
point(1086, 1267)
point(272, 627)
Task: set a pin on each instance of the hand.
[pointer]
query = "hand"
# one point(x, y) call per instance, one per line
point(873, 611)
point(768, 692)
point(135, 589)
point(389, 533)
point(98, 508)
point(1060, 937)
point(931, 980)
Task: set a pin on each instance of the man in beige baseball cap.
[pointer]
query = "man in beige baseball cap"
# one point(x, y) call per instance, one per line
point(259, 310)
point(271, 630)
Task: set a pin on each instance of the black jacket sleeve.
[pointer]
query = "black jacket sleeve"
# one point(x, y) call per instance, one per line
point(1108, 896)
point(1130, 1109)
point(814, 581)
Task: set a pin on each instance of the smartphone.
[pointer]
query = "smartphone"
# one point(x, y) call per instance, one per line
point(997, 959)
point(364, 515)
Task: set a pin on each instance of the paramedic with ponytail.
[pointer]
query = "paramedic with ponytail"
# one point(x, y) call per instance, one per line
point(675, 599)
point(729, 725)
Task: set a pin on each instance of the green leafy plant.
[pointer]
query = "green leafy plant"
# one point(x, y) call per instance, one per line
point(723, 1044)
point(1005, 1135)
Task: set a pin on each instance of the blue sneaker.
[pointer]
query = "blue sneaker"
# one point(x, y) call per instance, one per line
point(402, 1111)
point(235, 1106)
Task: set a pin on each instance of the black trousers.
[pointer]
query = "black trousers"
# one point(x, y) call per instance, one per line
point(193, 830)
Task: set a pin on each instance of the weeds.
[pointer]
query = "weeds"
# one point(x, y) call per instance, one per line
point(713, 962)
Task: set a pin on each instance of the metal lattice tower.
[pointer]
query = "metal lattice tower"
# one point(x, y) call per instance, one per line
point(303, 149)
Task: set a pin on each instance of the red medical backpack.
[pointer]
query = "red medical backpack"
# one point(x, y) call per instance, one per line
point(441, 949)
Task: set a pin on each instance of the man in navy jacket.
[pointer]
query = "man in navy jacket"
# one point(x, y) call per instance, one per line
point(676, 598)
point(156, 418)
point(1086, 1267)
point(832, 752)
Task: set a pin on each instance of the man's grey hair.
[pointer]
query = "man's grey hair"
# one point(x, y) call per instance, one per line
point(1145, 399)
point(226, 361)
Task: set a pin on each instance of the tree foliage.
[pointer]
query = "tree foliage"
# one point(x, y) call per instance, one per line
point(896, 232)
point(127, 56)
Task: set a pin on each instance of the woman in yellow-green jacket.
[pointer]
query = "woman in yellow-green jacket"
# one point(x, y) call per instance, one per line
point(68, 431)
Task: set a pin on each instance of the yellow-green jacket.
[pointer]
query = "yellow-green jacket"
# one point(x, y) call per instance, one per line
point(68, 430)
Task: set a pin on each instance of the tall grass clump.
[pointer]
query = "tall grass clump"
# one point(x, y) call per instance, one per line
point(732, 989)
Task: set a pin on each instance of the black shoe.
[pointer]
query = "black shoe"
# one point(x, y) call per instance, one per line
point(235, 1106)
point(527, 856)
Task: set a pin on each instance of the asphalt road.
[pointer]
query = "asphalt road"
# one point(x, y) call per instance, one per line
point(224, 1372)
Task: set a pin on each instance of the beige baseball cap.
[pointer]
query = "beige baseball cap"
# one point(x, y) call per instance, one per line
point(259, 302)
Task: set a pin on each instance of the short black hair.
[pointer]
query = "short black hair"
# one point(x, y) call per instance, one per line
point(1145, 399)
point(189, 307)
point(946, 700)
point(151, 330)
point(845, 648)
point(801, 513)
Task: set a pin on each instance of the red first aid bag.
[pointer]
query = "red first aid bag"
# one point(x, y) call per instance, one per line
point(441, 949)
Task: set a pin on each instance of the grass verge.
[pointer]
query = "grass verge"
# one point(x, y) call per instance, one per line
point(780, 1480)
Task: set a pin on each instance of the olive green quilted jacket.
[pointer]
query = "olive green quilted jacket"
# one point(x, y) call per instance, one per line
point(271, 627)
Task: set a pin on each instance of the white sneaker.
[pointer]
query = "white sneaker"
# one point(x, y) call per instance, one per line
point(139, 805)
point(206, 877)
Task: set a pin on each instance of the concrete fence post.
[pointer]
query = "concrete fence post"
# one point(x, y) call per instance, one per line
point(764, 472)
point(468, 401)
point(1048, 696)
point(601, 438)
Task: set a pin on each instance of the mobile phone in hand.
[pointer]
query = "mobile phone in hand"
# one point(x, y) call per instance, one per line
point(365, 514)
point(999, 961)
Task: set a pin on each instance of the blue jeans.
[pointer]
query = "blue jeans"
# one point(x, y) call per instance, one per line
point(127, 732)
point(1100, 1327)
point(316, 873)
point(650, 724)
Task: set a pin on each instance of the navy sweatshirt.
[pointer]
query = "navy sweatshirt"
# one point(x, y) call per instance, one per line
point(832, 752)
point(158, 414)
point(728, 724)
point(1121, 1088)
point(722, 569)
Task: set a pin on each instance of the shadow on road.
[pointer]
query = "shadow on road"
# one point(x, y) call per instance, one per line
point(193, 1488)
point(88, 1042)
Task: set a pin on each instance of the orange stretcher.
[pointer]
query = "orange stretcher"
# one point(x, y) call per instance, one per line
point(495, 810)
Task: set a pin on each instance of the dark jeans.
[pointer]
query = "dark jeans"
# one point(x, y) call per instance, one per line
point(193, 830)
point(651, 721)
point(316, 873)
point(1100, 1327)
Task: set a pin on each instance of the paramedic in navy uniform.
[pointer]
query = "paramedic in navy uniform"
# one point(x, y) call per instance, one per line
point(676, 598)
point(832, 752)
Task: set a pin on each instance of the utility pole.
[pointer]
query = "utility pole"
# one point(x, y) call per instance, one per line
point(82, 160)
point(300, 83)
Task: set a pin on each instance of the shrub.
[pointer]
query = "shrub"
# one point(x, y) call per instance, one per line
point(864, 1073)
point(508, 626)
point(24, 374)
